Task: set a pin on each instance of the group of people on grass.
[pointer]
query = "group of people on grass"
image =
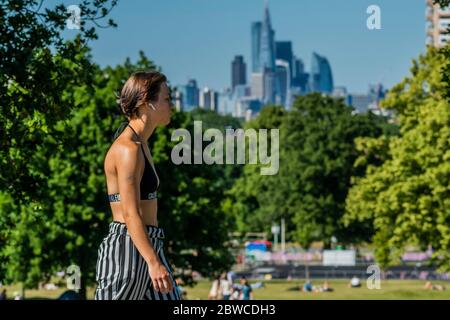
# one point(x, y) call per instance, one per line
point(355, 282)
point(224, 288)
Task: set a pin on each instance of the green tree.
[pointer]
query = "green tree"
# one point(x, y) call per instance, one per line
point(37, 65)
point(320, 151)
point(249, 200)
point(446, 53)
point(38, 70)
point(406, 197)
point(317, 151)
point(72, 217)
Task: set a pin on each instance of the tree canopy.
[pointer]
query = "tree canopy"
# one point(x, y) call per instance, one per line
point(317, 151)
point(406, 198)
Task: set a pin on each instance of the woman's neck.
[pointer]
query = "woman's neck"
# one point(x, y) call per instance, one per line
point(144, 131)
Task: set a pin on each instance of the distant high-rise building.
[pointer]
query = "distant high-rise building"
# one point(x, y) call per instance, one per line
point(376, 95)
point(226, 102)
point(263, 55)
point(321, 77)
point(269, 86)
point(299, 67)
point(283, 51)
point(178, 100)
point(369, 101)
point(238, 72)
point(299, 76)
point(209, 99)
point(282, 83)
point(257, 85)
point(248, 107)
point(360, 102)
point(256, 46)
point(267, 49)
point(189, 95)
point(438, 21)
point(341, 92)
point(377, 92)
point(241, 91)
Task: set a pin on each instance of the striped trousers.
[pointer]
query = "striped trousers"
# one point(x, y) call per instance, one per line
point(121, 271)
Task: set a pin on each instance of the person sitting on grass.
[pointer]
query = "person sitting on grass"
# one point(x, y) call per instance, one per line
point(307, 287)
point(326, 287)
point(430, 286)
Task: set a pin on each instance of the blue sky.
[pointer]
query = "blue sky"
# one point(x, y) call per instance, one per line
point(199, 38)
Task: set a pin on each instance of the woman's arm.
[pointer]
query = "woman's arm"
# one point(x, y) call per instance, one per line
point(129, 189)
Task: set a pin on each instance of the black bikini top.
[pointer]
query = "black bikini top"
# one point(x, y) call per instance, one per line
point(149, 182)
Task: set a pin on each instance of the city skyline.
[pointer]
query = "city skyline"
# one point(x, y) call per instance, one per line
point(359, 57)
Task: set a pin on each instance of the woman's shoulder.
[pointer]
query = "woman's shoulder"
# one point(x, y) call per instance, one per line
point(122, 145)
point(124, 150)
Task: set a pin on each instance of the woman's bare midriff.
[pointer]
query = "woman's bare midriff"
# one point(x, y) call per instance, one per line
point(147, 209)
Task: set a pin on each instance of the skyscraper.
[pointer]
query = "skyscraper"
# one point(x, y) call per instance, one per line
point(178, 100)
point(267, 49)
point(241, 91)
point(269, 86)
point(438, 21)
point(189, 95)
point(299, 67)
point(256, 46)
point(209, 99)
point(321, 78)
point(300, 77)
point(283, 51)
point(238, 71)
point(257, 85)
point(282, 83)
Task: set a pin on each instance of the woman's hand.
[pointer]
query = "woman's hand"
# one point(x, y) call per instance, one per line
point(162, 282)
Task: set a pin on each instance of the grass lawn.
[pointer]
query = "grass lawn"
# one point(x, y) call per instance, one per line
point(390, 289)
point(279, 289)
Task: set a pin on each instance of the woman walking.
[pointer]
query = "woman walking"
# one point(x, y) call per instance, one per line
point(131, 264)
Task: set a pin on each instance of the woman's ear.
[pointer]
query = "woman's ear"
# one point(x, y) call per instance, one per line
point(152, 106)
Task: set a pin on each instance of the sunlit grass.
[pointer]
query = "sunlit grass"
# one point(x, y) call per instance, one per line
point(280, 289)
point(390, 289)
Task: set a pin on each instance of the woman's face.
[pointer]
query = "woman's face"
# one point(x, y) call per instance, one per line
point(163, 106)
